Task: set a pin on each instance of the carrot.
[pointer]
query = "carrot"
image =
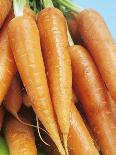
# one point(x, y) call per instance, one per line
point(13, 99)
point(5, 6)
point(25, 43)
point(20, 138)
point(79, 139)
point(100, 43)
point(93, 96)
point(7, 65)
point(54, 41)
point(2, 113)
point(113, 106)
point(26, 100)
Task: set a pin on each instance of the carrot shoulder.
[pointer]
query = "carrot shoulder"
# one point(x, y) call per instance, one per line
point(93, 96)
point(20, 138)
point(25, 43)
point(5, 6)
point(7, 64)
point(54, 41)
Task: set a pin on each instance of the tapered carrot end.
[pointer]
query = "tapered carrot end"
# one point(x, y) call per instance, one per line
point(65, 139)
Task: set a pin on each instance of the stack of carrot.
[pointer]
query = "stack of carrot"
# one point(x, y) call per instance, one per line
point(57, 80)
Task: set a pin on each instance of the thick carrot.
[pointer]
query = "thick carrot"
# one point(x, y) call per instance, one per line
point(5, 6)
point(26, 100)
point(2, 113)
point(102, 47)
point(54, 42)
point(113, 106)
point(7, 65)
point(13, 99)
point(93, 96)
point(25, 44)
point(20, 138)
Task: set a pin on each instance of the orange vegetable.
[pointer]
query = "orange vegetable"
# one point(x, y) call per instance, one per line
point(25, 43)
point(7, 64)
point(26, 100)
point(93, 96)
point(5, 6)
point(54, 41)
point(101, 45)
point(20, 137)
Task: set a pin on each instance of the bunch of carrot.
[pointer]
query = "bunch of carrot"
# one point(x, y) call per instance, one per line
point(70, 89)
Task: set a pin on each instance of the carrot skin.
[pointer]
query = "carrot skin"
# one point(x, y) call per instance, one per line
point(29, 61)
point(13, 99)
point(54, 41)
point(20, 138)
point(93, 96)
point(101, 45)
point(7, 64)
point(5, 6)
point(2, 113)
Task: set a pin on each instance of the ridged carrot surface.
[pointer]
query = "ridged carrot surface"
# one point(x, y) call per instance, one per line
point(20, 137)
point(93, 96)
point(7, 64)
point(25, 43)
point(54, 41)
point(5, 6)
point(101, 45)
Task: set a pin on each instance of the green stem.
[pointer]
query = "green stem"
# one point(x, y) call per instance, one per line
point(47, 3)
point(18, 6)
point(70, 5)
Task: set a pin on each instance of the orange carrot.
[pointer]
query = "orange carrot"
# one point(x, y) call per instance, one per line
point(102, 47)
point(54, 42)
point(79, 139)
point(26, 100)
point(20, 138)
point(5, 6)
point(2, 113)
point(13, 99)
point(7, 65)
point(25, 43)
point(93, 96)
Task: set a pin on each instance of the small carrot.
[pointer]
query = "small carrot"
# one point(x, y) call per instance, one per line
point(5, 6)
point(27, 11)
point(2, 113)
point(7, 64)
point(20, 138)
point(54, 41)
point(93, 96)
point(25, 43)
point(13, 99)
point(26, 100)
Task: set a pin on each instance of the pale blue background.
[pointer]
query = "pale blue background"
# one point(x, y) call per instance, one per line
point(106, 7)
